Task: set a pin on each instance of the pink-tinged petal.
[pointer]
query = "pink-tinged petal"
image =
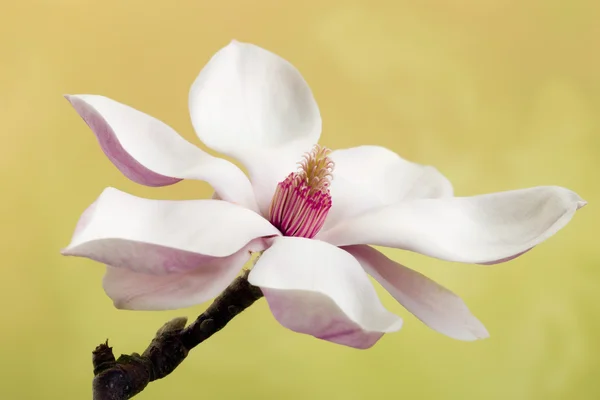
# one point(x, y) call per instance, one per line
point(255, 106)
point(368, 177)
point(505, 259)
point(139, 291)
point(436, 306)
point(479, 229)
point(321, 290)
point(315, 314)
point(151, 153)
point(158, 236)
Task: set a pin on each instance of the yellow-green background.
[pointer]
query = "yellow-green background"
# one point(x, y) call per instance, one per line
point(498, 94)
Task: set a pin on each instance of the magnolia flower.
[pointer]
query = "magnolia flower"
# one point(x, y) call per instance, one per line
point(311, 213)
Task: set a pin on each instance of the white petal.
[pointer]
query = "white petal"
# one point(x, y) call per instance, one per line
point(255, 106)
point(321, 290)
point(151, 153)
point(368, 177)
point(436, 306)
point(479, 229)
point(139, 291)
point(248, 98)
point(158, 236)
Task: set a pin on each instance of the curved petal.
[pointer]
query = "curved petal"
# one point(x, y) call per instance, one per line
point(158, 236)
point(436, 306)
point(321, 290)
point(151, 153)
point(479, 229)
point(248, 98)
point(139, 291)
point(368, 177)
point(255, 106)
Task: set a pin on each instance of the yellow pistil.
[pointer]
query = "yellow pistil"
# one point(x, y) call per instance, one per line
point(316, 169)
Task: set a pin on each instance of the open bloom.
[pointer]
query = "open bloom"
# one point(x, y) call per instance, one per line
point(312, 212)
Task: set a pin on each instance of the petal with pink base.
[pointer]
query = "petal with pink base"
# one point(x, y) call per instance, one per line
point(151, 153)
point(321, 290)
point(436, 306)
point(159, 236)
point(318, 315)
point(181, 288)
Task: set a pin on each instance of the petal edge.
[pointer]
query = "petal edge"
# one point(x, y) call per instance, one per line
point(480, 229)
point(122, 230)
point(434, 305)
point(321, 290)
point(151, 153)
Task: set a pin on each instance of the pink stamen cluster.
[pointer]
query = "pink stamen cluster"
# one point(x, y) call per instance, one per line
point(301, 202)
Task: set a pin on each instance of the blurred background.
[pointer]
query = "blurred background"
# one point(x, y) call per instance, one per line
point(498, 94)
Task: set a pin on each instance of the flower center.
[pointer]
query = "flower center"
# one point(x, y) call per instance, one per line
point(301, 202)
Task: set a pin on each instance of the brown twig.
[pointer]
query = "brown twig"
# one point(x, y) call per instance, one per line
point(127, 376)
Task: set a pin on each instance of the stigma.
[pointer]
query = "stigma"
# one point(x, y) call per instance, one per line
point(302, 200)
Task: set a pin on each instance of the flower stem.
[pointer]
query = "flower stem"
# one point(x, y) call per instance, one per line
point(128, 375)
